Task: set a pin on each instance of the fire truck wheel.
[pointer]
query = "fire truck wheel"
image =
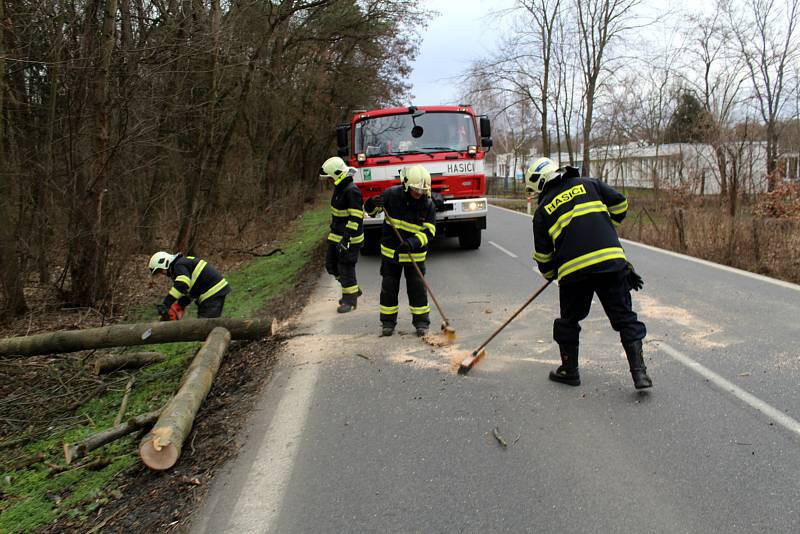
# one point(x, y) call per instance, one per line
point(469, 237)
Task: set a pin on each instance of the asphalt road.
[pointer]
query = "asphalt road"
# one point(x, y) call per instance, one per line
point(357, 433)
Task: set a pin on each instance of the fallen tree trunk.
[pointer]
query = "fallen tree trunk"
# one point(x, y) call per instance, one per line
point(132, 334)
point(79, 450)
point(126, 360)
point(161, 448)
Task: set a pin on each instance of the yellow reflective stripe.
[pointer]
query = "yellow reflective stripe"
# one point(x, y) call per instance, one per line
point(196, 273)
point(542, 258)
point(353, 212)
point(352, 225)
point(357, 239)
point(213, 291)
point(175, 293)
point(416, 256)
point(431, 227)
point(549, 275)
point(389, 310)
point(423, 238)
point(334, 237)
point(386, 251)
point(374, 212)
point(615, 223)
point(407, 226)
point(580, 209)
point(183, 278)
point(419, 310)
point(350, 290)
point(616, 209)
point(338, 213)
point(592, 258)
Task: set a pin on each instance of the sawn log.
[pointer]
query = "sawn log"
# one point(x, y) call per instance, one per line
point(124, 335)
point(161, 448)
point(127, 360)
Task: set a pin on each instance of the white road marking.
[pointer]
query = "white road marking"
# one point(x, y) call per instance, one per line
point(503, 249)
point(760, 277)
point(261, 496)
point(773, 413)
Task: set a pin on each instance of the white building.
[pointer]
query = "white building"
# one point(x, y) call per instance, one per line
point(692, 167)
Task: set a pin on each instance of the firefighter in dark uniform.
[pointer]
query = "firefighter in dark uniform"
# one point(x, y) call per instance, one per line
point(409, 207)
point(193, 279)
point(346, 233)
point(575, 241)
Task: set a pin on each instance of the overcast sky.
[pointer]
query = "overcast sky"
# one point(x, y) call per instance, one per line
point(465, 31)
point(459, 35)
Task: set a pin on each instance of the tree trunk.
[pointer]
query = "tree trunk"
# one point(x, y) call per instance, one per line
point(11, 276)
point(126, 360)
point(132, 334)
point(95, 441)
point(161, 448)
point(89, 277)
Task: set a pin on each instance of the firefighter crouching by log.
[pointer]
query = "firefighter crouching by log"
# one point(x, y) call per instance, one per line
point(409, 207)
point(193, 279)
point(575, 241)
point(346, 230)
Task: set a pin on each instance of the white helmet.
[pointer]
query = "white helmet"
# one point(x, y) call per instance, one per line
point(416, 177)
point(336, 169)
point(542, 171)
point(161, 260)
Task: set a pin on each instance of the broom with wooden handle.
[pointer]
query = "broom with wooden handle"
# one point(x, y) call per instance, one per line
point(470, 361)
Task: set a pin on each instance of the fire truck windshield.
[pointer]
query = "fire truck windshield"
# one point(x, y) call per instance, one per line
point(391, 134)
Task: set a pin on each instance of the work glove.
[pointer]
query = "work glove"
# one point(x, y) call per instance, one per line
point(632, 278)
point(404, 247)
point(377, 201)
point(162, 312)
point(175, 312)
point(343, 246)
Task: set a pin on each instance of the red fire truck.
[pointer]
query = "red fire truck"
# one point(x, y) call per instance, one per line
point(450, 141)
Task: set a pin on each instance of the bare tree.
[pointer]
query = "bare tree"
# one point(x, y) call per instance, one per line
point(600, 24)
point(765, 32)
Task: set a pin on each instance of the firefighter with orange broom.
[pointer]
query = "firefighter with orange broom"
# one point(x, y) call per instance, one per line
point(409, 209)
point(576, 242)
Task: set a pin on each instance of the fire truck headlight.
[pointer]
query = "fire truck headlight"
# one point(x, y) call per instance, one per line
point(475, 206)
point(361, 157)
point(472, 150)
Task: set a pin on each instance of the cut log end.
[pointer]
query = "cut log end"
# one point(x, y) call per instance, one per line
point(159, 460)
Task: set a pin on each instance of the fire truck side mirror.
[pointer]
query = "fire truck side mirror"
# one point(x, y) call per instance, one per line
point(486, 132)
point(342, 145)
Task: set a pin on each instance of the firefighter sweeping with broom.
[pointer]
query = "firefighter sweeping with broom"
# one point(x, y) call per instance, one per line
point(346, 231)
point(575, 241)
point(408, 209)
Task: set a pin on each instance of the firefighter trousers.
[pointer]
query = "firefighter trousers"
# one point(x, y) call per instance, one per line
point(575, 300)
point(417, 295)
point(343, 267)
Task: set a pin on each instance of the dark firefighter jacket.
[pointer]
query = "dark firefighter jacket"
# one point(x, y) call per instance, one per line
point(415, 218)
point(574, 228)
point(194, 279)
point(347, 214)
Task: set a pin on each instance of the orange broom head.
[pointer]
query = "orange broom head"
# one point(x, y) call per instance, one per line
point(449, 333)
point(470, 361)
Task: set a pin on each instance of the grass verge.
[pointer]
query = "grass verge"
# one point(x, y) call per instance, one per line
point(37, 496)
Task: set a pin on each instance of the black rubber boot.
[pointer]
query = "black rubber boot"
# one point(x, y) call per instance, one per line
point(636, 361)
point(422, 331)
point(341, 300)
point(387, 330)
point(567, 372)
